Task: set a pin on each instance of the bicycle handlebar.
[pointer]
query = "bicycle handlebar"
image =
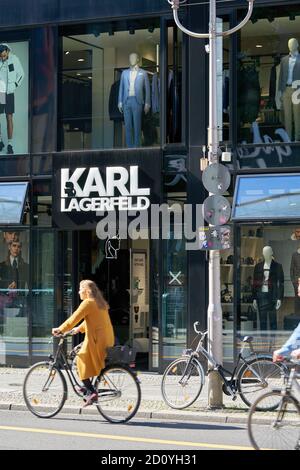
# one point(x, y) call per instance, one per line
point(64, 335)
point(202, 333)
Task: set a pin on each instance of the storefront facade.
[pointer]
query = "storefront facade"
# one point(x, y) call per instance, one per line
point(80, 116)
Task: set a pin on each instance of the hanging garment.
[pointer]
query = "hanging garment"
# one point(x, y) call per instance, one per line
point(248, 94)
point(114, 113)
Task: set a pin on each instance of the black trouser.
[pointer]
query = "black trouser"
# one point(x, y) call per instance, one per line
point(266, 308)
point(89, 386)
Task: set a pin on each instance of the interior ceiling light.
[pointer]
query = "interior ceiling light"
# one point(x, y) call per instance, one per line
point(80, 60)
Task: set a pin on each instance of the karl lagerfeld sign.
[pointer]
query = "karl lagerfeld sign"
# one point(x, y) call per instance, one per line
point(92, 190)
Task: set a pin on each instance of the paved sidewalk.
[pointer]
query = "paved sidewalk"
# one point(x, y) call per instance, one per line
point(152, 405)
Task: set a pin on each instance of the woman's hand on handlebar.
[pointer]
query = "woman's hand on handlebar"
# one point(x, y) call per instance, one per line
point(56, 332)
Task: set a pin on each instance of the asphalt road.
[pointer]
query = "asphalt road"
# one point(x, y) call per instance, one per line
point(23, 431)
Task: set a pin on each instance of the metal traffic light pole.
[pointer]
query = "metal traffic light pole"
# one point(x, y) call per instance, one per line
point(214, 313)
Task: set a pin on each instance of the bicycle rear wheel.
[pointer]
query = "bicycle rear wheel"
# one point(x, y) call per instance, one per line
point(278, 430)
point(119, 393)
point(44, 390)
point(257, 377)
point(182, 383)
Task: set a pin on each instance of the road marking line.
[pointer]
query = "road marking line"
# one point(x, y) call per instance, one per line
point(124, 438)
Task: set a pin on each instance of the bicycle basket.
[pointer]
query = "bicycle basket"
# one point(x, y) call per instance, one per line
point(121, 354)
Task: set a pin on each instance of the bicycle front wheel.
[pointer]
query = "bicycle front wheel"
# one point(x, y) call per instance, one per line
point(182, 383)
point(44, 390)
point(119, 393)
point(278, 430)
point(257, 377)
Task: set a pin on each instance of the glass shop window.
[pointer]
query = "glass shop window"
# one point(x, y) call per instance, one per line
point(268, 284)
point(14, 296)
point(14, 97)
point(110, 85)
point(268, 68)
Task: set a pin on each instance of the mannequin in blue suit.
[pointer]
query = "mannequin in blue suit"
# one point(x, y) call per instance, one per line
point(134, 96)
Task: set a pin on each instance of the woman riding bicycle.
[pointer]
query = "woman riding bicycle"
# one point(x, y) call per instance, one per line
point(99, 335)
point(291, 347)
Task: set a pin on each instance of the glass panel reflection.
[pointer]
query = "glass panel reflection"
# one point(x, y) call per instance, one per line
point(12, 198)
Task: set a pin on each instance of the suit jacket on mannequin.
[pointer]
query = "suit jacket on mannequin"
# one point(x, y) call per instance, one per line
point(141, 87)
point(284, 72)
point(275, 281)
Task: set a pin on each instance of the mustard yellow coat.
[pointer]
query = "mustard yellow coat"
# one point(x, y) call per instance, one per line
point(99, 335)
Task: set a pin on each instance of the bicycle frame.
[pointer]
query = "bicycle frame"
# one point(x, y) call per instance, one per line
point(60, 360)
point(291, 380)
point(229, 383)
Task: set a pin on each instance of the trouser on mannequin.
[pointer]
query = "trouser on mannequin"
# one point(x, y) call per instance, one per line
point(133, 122)
point(291, 113)
point(267, 311)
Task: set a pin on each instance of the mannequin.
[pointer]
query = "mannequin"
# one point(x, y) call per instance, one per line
point(134, 96)
point(268, 289)
point(295, 275)
point(289, 72)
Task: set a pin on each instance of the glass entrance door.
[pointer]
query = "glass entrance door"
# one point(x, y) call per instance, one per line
point(120, 268)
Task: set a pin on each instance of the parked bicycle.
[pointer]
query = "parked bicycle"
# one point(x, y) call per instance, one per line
point(45, 386)
point(254, 374)
point(281, 429)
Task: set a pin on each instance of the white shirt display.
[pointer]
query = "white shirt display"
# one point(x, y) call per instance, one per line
point(265, 286)
point(12, 259)
point(133, 75)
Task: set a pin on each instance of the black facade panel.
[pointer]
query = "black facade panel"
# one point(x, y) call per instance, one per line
point(149, 173)
point(35, 12)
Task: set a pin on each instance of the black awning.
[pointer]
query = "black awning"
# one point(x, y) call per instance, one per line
point(12, 201)
point(267, 197)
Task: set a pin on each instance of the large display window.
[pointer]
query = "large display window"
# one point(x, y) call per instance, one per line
point(14, 298)
point(110, 86)
point(268, 70)
point(268, 304)
point(14, 69)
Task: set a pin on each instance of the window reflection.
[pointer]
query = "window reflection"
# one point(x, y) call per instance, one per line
point(14, 289)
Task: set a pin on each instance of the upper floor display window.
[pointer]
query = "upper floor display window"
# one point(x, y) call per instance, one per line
point(268, 85)
point(13, 97)
point(110, 86)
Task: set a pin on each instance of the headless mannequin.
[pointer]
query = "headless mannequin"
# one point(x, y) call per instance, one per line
point(289, 73)
point(134, 61)
point(134, 96)
point(268, 256)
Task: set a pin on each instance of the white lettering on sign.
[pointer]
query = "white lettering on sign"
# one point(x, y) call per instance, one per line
point(84, 190)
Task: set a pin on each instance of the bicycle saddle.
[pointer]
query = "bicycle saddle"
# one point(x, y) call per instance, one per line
point(247, 339)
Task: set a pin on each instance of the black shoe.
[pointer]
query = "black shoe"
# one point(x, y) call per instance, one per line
point(10, 150)
point(1, 146)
